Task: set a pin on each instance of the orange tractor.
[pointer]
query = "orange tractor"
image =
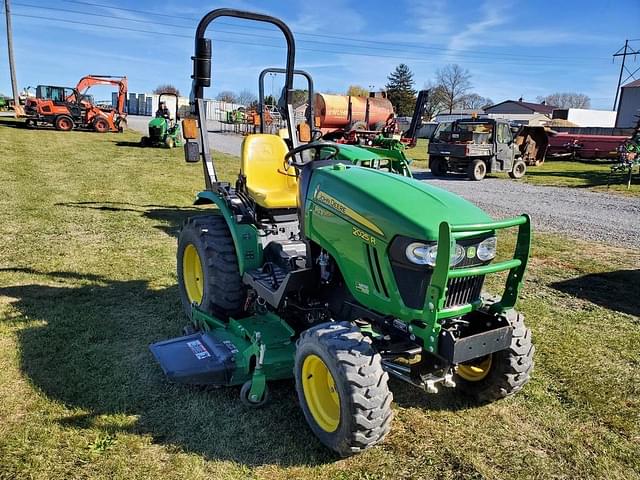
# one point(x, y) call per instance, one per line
point(66, 108)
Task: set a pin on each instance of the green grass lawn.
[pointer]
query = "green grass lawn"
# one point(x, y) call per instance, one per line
point(582, 174)
point(87, 281)
point(574, 174)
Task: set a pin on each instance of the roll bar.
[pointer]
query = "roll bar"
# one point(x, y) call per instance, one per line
point(170, 94)
point(302, 73)
point(202, 77)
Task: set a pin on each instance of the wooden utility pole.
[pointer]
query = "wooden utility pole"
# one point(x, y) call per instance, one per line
point(12, 67)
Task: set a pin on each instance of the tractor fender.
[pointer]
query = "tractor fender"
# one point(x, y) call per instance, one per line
point(245, 236)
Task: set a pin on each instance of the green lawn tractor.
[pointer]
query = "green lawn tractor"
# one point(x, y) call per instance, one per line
point(338, 276)
point(164, 129)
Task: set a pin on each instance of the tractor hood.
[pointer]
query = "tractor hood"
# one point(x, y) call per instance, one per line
point(157, 122)
point(387, 205)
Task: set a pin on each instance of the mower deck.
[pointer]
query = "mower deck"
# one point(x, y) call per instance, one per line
point(225, 354)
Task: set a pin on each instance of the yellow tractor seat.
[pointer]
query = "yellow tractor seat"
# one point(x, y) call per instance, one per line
point(262, 163)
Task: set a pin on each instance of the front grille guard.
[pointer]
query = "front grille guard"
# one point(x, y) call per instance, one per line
point(436, 308)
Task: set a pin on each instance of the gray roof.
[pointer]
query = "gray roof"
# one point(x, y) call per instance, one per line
point(534, 107)
point(635, 83)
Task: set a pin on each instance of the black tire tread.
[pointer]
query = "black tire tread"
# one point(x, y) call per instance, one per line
point(511, 368)
point(360, 369)
point(224, 292)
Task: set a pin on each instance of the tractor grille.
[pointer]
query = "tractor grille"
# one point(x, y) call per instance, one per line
point(464, 290)
point(155, 131)
point(413, 280)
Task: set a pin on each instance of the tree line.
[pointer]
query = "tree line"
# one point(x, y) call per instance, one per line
point(450, 90)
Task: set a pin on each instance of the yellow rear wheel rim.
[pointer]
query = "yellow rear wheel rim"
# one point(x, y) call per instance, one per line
point(320, 393)
point(475, 370)
point(192, 274)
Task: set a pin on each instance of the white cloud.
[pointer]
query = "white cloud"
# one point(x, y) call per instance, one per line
point(330, 16)
point(494, 14)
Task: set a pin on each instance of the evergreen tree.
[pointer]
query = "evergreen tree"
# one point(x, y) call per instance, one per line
point(400, 90)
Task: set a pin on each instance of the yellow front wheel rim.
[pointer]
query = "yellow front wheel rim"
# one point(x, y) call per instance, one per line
point(192, 274)
point(320, 393)
point(475, 370)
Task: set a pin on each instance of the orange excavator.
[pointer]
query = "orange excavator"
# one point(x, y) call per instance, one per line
point(66, 108)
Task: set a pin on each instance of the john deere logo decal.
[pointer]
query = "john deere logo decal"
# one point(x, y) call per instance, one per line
point(331, 202)
point(471, 252)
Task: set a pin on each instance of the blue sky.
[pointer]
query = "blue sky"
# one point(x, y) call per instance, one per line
point(511, 48)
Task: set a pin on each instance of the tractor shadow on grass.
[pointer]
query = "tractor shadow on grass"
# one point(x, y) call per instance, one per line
point(85, 343)
point(123, 143)
point(170, 217)
point(616, 290)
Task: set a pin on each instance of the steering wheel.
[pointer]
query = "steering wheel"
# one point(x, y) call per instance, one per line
point(289, 158)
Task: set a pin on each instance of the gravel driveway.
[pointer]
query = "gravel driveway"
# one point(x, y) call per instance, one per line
point(575, 212)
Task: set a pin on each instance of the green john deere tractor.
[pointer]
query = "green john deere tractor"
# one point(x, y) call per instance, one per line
point(338, 276)
point(164, 129)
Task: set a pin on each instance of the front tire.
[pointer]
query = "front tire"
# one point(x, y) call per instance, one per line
point(518, 170)
point(208, 273)
point(101, 125)
point(502, 373)
point(342, 388)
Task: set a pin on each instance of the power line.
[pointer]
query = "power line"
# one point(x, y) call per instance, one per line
point(351, 39)
point(520, 59)
point(341, 52)
point(191, 28)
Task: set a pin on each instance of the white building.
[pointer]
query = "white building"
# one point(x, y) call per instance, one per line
point(583, 117)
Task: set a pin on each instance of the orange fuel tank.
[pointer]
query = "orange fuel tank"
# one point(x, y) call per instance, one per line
point(340, 111)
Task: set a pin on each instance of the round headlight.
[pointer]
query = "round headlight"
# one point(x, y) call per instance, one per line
point(457, 255)
point(487, 249)
point(421, 254)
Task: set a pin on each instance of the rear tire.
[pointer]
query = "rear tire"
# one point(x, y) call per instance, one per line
point(502, 373)
point(438, 166)
point(342, 388)
point(100, 125)
point(63, 123)
point(477, 170)
point(207, 264)
point(170, 142)
point(518, 170)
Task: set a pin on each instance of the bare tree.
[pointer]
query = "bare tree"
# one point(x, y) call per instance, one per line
point(435, 100)
point(227, 96)
point(566, 100)
point(475, 101)
point(455, 82)
point(357, 91)
point(246, 97)
point(166, 88)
